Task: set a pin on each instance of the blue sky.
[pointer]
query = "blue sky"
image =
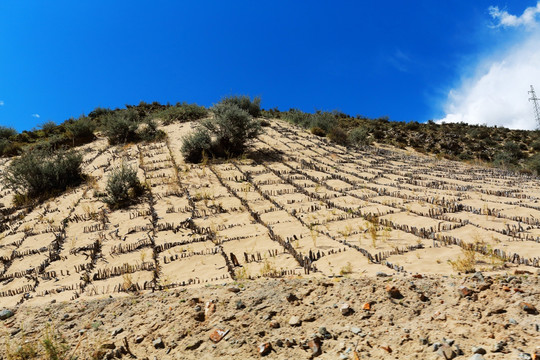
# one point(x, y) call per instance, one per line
point(409, 60)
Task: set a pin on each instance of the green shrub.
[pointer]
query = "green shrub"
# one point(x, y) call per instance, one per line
point(121, 127)
point(232, 128)
point(196, 145)
point(9, 148)
point(244, 103)
point(536, 145)
point(80, 131)
point(339, 136)
point(318, 131)
point(359, 136)
point(123, 188)
point(7, 132)
point(48, 126)
point(533, 164)
point(149, 131)
point(182, 112)
point(39, 173)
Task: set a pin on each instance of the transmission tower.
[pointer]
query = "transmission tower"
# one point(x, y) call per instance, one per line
point(535, 100)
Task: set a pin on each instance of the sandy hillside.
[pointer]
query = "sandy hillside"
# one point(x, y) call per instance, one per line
point(294, 210)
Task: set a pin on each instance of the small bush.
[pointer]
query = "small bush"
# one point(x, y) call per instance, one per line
point(148, 131)
point(465, 264)
point(339, 136)
point(39, 173)
point(123, 188)
point(232, 128)
point(80, 131)
point(196, 145)
point(7, 132)
point(318, 131)
point(265, 123)
point(48, 126)
point(121, 127)
point(533, 164)
point(182, 112)
point(359, 136)
point(244, 103)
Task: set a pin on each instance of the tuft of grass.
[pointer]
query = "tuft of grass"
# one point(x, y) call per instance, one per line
point(465, 263)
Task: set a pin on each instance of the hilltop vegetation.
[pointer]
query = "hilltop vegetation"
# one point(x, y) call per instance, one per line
point(517, 150)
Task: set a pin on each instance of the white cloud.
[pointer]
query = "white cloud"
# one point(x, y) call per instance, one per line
point(1, 102)
point(36, 116)
point(497, 94)
point(527, 19)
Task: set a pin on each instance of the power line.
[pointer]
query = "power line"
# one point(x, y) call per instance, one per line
point(535, 100)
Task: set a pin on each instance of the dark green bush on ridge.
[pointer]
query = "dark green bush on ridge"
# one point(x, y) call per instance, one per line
point(123, 188)
point(227, 134)
point(121, 127)
point(182, 113)
point(80, 131)
point(244, 103)
point(39, 173)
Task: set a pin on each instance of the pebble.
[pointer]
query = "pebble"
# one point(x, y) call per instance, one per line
point(325, 333)
point(393, 292)
point(6, 314)
point(139, 339)
point(528, 308)
point(381, 274)
point(356, 330)
point(477, 357)
point(240, 305)
point(345, 309)
point(446, 352)
point(158, 343)
point(195, 345)
point(478, 350)
point(265, 348)
point(295, 321)
point(315, 346)
point(218, 334)
point(234, 289)
point(524, 356)
point(117, 331)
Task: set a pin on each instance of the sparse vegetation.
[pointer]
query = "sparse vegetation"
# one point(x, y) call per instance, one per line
point(465, 263)
point(182, 112)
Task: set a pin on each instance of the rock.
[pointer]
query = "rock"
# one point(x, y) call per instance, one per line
point(218, 334)
point(424, 341)
point(199, 316)
point(524, 356)
point(512, 321)
point(209, 309)
point(465, 292)
point(477, 357)
point(139, 339)
point(290, 342)
point(345, 309)
point(381, 274)
point(158, 343)
point(478, 350)
point(291, 297)
point(234, 289)
point(15, 331)
point(295, 321)
point(366, 306)
point(499, 346)
point(265, 348)
point(528, 308)
point(393, 292)
point(108, 346)
point(117, 331)
point(422, 297)
point(446, 352)
point(195, 345)
point(325, 333)
point(479, 276)
point(356, 330)
point(240, 305)
point(436, 346)
point(6, 314)
point(315, 346)
point(274, 324)
point(449, 341)
point(279, 342)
